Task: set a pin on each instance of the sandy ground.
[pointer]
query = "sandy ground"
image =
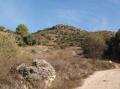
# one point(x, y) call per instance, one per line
point(109, 79)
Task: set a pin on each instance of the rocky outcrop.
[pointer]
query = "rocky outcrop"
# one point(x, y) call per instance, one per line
point(40, 75)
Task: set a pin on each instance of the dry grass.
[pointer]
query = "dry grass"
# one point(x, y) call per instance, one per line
point(70, 73)
point(8, 47)
point(10, 54)
point(71, 68)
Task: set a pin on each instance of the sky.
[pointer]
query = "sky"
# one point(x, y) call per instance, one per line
point(90, 15)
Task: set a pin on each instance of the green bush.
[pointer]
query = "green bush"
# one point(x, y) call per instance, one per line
point(29, 40)
point(21, 43)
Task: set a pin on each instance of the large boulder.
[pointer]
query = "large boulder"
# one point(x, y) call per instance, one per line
point(40, 74)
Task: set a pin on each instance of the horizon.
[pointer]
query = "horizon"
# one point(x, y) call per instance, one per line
point(90, 15)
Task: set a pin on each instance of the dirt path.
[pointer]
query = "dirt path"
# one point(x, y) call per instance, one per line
point(109, 79)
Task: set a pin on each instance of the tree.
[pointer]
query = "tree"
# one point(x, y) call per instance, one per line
point(114, 45)
point(22, 30)
point(2, 28)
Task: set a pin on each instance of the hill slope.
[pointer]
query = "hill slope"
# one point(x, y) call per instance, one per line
point(62, 35)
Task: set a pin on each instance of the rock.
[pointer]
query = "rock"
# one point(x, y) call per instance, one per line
point(44, 69)
point(40, 71)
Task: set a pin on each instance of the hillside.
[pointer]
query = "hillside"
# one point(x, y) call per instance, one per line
point(93, 44)
point(71, 67)
point(74, 54)
point(65, 35)
point(61, 35)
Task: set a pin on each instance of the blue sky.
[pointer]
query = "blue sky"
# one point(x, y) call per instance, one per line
point(90, 15)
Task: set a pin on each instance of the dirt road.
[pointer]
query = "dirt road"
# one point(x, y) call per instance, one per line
point(109, 79)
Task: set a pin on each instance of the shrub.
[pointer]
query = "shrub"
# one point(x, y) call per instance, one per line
point(8, 52)
point(94, 46)
point(20, 42)
point(114, 46)
point(8, 47)
point(29, 40)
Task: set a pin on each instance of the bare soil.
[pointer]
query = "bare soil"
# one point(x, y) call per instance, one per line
point(108, 79)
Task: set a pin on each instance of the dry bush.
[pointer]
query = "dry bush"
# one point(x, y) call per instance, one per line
point(8, 47)
point(94, 46)
point(71, 72)
point(70, 67)
point(8, 52)
point(10, 55)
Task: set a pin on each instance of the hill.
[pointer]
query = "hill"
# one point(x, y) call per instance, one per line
point(60, 35)
point(70, 64)
point(65, 35)
point(93, 44)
